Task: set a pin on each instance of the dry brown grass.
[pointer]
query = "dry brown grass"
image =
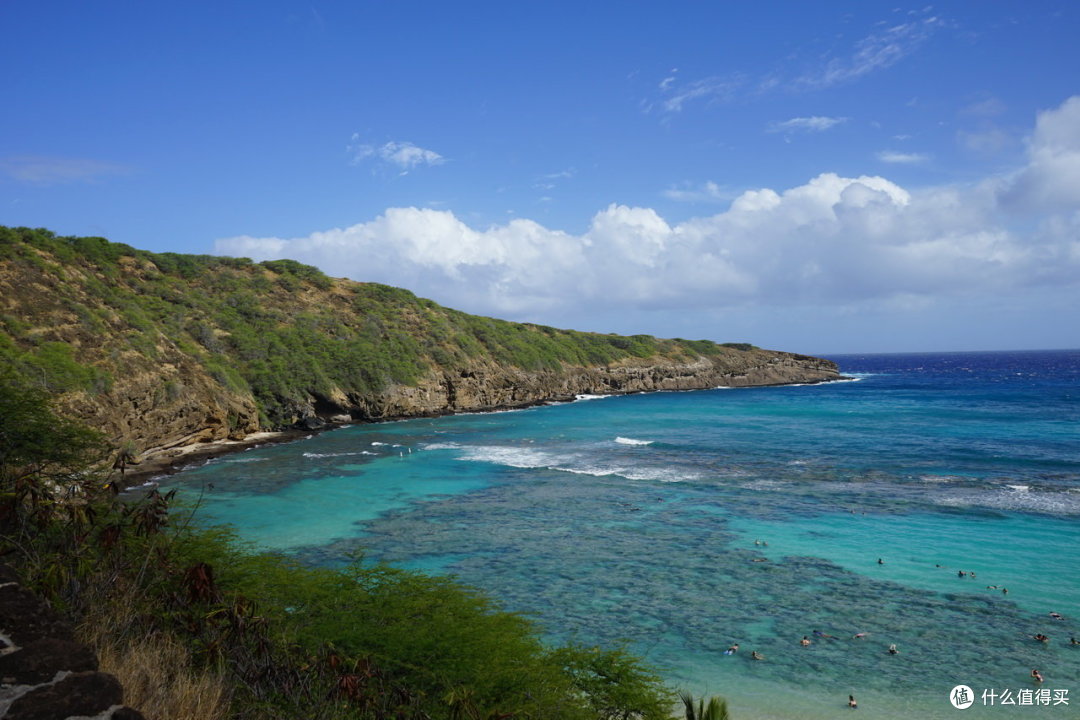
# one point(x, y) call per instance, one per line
point(157, 675)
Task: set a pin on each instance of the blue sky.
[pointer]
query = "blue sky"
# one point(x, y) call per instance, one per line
point(818, 177)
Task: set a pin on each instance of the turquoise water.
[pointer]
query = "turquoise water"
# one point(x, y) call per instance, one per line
point(634, 519)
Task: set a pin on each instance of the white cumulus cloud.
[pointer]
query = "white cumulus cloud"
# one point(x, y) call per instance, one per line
point(1051, 180)
point(832, 241)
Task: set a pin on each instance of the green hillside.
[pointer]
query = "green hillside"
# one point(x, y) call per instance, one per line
point(77, 309)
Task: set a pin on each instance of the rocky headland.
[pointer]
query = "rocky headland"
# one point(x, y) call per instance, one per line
point(169, 354)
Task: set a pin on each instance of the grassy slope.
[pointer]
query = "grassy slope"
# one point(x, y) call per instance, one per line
point(79, 309)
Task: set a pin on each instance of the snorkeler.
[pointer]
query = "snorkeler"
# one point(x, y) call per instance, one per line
point(893, 650)
point(1057, 616)
point(756, 655)
point(857, 636)
point(805, 641)
point(732, 650)
point(818, 633)
point(1041, 638)
point(1036, 676)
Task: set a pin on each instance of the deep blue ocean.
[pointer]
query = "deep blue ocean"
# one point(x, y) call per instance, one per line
point(679, 523)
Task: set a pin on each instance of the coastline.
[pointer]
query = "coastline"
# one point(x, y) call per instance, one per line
point(176, 459)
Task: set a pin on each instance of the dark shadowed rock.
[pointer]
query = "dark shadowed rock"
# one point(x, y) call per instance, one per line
point(126, 713)
point(85, 693)
point(311, 423)
point(37, 661)
point(7, 575)
point(25, 619)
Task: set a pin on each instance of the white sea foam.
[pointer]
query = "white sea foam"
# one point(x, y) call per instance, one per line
point(591, 397)
point(337, 454)
point(664, 474)
point(1055, 502)
point(509, 456)
point(631, 441)
point(594, 471)
point(494, 412)
point(440, 446)
point(1020, 488)
point(573, 463)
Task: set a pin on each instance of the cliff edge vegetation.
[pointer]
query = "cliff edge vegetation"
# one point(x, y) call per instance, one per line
point(161, 350)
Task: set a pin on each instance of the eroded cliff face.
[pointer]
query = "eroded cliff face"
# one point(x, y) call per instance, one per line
point(155, 408)
point(487, 386)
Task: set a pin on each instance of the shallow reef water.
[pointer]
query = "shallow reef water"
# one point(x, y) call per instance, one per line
point(681, 523)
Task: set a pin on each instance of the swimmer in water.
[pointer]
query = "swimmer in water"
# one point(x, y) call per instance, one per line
point(960, 573)
point(893, 650)
point(880, 561)
point(1074, 641)
point(851, 702)
point(1041, 638)
point(1004, 591)
point(818, 633)
point(1056, 616)
point(756, 655)
point(733, 649)
point(805, 641)
point(1036, 676)
point(856, 636)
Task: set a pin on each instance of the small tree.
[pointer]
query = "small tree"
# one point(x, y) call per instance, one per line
point(43, 456)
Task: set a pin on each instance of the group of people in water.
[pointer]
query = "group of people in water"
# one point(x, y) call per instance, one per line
point(1036, 675)
point(755, 655)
